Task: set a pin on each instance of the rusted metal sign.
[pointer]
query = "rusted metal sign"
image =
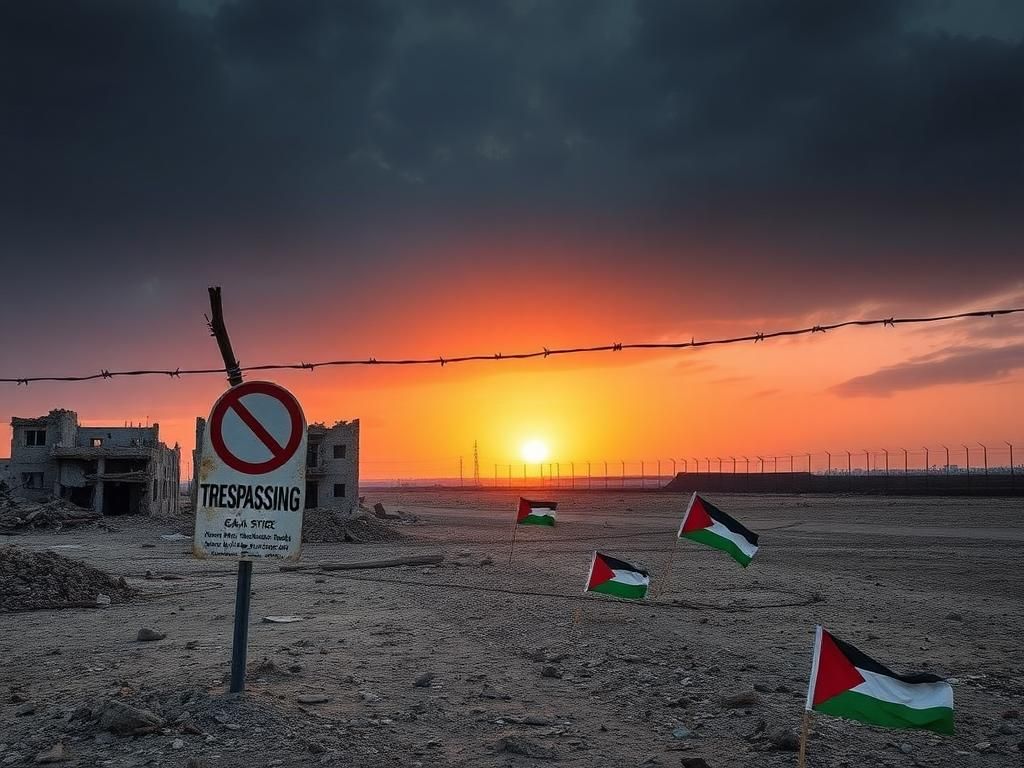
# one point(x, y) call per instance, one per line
point(252, 476)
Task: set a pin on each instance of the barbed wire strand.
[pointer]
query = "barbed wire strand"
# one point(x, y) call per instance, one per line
point(693, 343)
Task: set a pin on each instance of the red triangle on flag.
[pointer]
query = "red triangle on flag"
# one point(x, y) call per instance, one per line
point(600, 573)
point(698, 519)
point(524, 509)
point(836, 673)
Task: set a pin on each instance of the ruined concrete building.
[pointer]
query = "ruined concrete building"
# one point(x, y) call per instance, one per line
point(332, 464)
point(113, 470)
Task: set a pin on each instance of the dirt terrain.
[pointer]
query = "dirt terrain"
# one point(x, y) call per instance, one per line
point(475, 662)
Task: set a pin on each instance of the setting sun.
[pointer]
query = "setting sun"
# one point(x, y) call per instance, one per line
point(534, 451)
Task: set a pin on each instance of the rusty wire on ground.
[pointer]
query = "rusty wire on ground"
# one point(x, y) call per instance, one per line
point(545, 352)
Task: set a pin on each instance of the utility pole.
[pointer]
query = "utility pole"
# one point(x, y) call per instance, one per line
point(984, 453)
point(461, 479)
point(1011, 463)
point(947, 459)
point(605, 474)
point(476, 464)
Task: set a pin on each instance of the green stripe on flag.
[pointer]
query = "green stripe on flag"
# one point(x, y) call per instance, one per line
point(705, 536)
point(867, 709)
point(537, 520)
point(618, 589)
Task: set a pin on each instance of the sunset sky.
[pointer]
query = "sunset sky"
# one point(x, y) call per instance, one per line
point(399, 179)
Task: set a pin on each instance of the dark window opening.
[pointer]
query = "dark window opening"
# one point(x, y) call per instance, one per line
point(32, 480)
point(311, 495)
point(339, 490)
point(339, 451)
point(312, 454)
point(35, 437)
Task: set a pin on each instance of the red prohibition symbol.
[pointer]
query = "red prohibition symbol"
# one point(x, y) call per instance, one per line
point(232, 400)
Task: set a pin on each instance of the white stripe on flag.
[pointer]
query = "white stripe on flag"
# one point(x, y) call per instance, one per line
point(542, 511)
point(815, 656)
point(630, 577)
point(720, 530)
point(913, 695)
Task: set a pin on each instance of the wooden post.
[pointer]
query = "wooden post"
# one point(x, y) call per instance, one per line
point(243, 586)
point(801, 761)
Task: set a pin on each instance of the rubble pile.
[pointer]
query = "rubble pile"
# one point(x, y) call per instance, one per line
point(18, 514)
point(30, 580)
point(328, 526)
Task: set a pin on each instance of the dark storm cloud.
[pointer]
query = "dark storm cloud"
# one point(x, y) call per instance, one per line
point(961, 365)
point(117, 112)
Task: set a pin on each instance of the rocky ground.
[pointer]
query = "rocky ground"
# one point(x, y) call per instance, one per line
point(478, 662)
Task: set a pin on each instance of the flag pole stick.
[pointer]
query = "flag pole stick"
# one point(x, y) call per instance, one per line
point(668, 571)
point(802, 759)
point(515, 526)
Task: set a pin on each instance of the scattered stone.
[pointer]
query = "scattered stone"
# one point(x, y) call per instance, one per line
point(56, 754)
point(517, 745)
point(25, 709)
point(1006, 729)
point(486, 560)
point(536, 720)
point(740, 700)
point(762, 688)
point(783, 738)
point(983, 746)
point(681, 732)
point(313, 698)
point(295, 669)
point(695, 762)
point(424, 680)
point(191, 645)
point(103, 600)
point(954, 616)
point(177, 744)
point(198, 762)
point(906, 749)
point(148, 635)
point(551, 671)
point(124, 719)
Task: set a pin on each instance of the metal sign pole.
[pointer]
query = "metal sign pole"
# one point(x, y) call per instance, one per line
point(243, 589)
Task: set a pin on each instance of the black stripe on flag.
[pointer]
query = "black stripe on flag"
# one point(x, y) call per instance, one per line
point(621, 565)
point(736, 527)
point(860, 659)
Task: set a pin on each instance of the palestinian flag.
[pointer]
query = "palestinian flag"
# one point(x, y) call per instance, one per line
point(707, 524)
point(617, 577)
point(536, 512)
point(847, 683)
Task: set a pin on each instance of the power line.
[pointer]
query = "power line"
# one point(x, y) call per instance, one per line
point(544, 353)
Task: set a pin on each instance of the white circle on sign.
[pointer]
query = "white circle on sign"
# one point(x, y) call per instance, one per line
point(248, 441)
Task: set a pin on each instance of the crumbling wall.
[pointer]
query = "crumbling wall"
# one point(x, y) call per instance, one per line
point(34, 460)
point(339, 458)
